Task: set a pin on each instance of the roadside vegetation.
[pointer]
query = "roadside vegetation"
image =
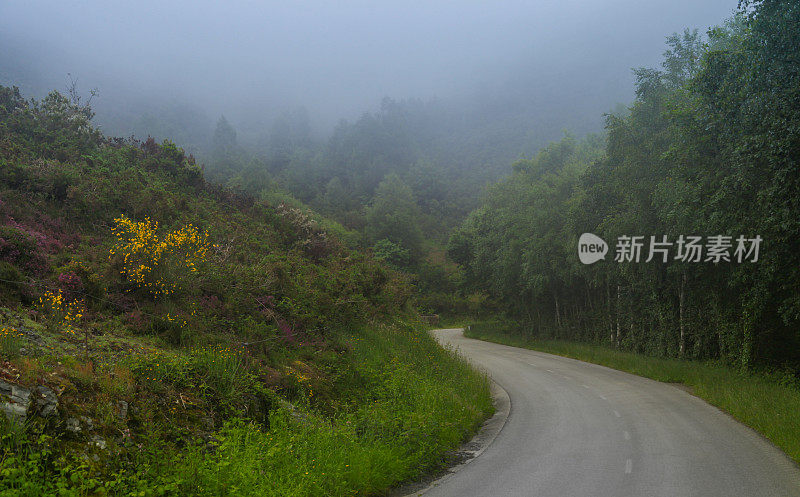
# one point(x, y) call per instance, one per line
point(404, 403)
point(161, 335)
point(767, 401)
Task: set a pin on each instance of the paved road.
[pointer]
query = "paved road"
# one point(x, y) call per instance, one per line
point(578, 429)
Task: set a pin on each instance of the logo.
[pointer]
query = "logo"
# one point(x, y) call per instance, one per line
point(591, 248)
point(714, 249)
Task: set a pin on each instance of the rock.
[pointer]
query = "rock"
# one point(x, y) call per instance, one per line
point(98, 442)
point(14, 400)
point(31, 335)
point(122, 410)
point(46, 401)
point(293, 412)
point(73, 425)
point(88, 421)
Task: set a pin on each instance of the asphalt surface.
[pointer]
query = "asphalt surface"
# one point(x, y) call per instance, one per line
point(579, 429)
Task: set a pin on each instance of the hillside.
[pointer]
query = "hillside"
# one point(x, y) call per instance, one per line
point(161, 334)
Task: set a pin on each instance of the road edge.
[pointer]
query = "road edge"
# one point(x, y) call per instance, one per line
point(470, 450)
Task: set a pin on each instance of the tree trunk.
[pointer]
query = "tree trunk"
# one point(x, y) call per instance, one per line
point(616, 337)
point(681, 314)
point(608, 307)
point(558, 316)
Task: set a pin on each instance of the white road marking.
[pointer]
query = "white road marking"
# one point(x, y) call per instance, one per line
point(627, 435)
point(616, 413)
point(628, 466)
point(549, 370)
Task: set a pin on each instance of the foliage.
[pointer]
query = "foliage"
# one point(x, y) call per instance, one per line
point(391, 253)
point(406, 402)
point(710, 147)
point(61, 311)
point(10, 340)
point(394, 215)
point(216, 372)
point(160, 265)
point(402, 174)
point(20, 249)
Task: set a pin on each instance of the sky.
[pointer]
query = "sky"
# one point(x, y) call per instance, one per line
point(251, 59)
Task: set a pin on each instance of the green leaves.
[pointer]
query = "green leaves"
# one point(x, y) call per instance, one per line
point(710, 147)
point(394, 216)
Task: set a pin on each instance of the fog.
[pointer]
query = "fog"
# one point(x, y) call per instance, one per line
point(563, 61)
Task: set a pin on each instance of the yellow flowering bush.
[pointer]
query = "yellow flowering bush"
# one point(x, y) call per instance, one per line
point(61, 311)
point(158, 264)
point(10, 340)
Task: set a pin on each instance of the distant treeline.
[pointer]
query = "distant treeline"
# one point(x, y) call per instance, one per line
point(710, 146)
point(399, 179)
point(444, 154)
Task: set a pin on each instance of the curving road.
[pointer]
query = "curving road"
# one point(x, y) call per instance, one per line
point(579, 429)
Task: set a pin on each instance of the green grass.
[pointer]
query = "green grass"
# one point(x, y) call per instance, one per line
point(409, 402)
point(215, 372)
point(383, 406)
point(768, 403)
point(10, 341)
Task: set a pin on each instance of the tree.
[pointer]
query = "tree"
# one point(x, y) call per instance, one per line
point(224, 141)
point(226, 158)
point(393, 215)
point(392, 254)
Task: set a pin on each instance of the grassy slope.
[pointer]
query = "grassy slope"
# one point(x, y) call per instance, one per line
point(267, 372)
point(769, 404)
point(413, 402)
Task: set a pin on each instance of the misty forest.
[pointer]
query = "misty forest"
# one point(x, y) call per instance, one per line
point(225, 234)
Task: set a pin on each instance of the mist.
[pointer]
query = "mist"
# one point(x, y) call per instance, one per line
point(564, 62)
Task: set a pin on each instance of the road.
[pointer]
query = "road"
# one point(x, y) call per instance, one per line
point(579, 429)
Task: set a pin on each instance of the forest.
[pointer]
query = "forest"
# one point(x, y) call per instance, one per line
point(709, 147)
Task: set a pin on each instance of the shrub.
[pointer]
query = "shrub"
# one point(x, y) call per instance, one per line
point(11, 280)
point(10, 341)
point(392, 253)
point(20, 248)
point(61, 311)
point(159, 265)
point(76, 280)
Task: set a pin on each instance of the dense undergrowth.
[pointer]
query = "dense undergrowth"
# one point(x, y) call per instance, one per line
point(768, 401)
point(180, 338)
